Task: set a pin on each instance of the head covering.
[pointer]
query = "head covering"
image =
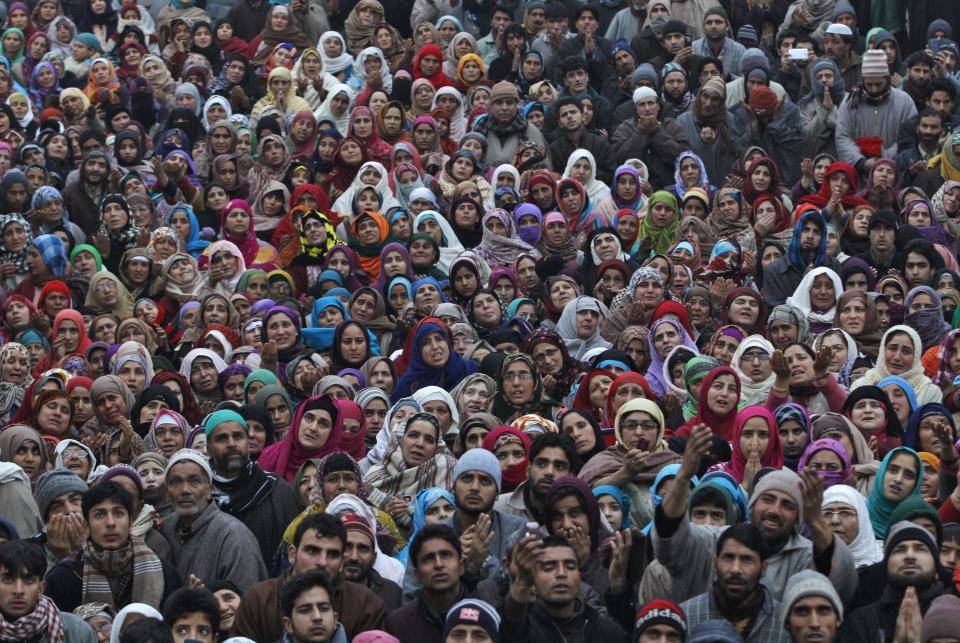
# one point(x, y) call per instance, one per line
point(285, 457)
point(881, 508)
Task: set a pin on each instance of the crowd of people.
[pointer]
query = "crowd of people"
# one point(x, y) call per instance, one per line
point(333, 321)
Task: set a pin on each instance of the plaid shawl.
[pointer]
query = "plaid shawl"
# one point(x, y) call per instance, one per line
point(101, 566)
point(44, 619)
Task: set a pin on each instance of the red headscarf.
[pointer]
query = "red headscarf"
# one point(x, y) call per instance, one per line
point(782, 218)
point(629, 377)
point(248, 244)
point(350, 442)
point(582, 399)
point(191, 410)
point(439, 79)
point(670, 307)
point(749, 192)
point(722, 425)
point(374, 148)
point(46, 362)
point(55, 286)
point(513, 475)
point(772, 457)
point(285, 457)
point(760, 326)
point(848, 200)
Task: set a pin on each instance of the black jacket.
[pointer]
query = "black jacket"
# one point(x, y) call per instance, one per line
point(532, 624)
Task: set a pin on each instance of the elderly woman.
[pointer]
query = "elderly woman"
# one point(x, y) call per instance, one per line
point(112, 405)
point(634, 461)
point(432, 361)
point(900, 352)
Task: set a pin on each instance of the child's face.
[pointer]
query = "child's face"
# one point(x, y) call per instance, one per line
point(81, 51)
point(224, 32)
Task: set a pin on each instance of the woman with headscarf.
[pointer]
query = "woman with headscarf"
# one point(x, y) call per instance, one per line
point(281, 94)
point(756, 445)
point(665, 334)
point(633, 462)
point(816, 297)
point(23, 446)
point(863, 545)
point(579, 325)
point(521, 390)
point(500, 244)
point(899, 354)
point(658, 230)
point(432, 361)
point(113, 403)
point(717, 404)
point(311, 436)
point(428, 65)
point(833, 182)
point(753, 368)
point(361, 24)
point(893, 487)
point(415, 459)
point(107, 294)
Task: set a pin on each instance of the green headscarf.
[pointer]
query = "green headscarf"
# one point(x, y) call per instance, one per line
point(694, 371)
point(880, 507)
point(23, 45)
point(245, 277)
point(259, 375)
point(87, 248)
point(657, 239)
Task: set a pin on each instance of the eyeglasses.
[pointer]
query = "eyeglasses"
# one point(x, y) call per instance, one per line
point(632, 425)
point(74, 453)
point(755, 357)
point(523, 376)
point(843, 514)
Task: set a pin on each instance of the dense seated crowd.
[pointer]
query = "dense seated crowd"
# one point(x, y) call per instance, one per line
point(462, 321)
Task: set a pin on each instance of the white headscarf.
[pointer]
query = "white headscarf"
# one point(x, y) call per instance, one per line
point(323, 112)
point(437, 394)
point(922, 386)
point(215, 100)
point(865, 548)
point(595, 189)
point(752, 392)
point(339, 63)
point(801, 296)
point(388, 201)
point(360, 70)
point(388, 567)
point(567, 326)
point(458, 122)
point(506, 168)
point(190, 357)
point(133, 608)
point(450, 246)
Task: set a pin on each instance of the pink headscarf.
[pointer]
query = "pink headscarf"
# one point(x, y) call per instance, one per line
point(285, 457)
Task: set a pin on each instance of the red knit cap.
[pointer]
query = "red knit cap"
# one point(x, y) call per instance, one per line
point(763, 100)
point(353, 522)
point(660, 612)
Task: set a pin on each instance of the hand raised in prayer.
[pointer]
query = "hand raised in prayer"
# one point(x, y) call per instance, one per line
point(621, 544)
point(698, 444)
point(822, 362)
point(779, 365)
point(909, 619)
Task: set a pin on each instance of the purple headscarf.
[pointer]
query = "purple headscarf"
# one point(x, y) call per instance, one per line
point(655, 371)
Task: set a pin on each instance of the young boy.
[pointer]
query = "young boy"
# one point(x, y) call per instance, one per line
point(193, 615)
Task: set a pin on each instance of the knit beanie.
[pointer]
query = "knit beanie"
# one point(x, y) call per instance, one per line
point(673, 26)
point(53, 484)
point(504, 89)
point(353, 522)
point(809, 583)
point(940, 619)
point(375, 636)
point(123, 470)
point(478, 460)
point(785, 481)
point(645, 71)
point(217, 418)
point(715, 630)
point(715, 11)
point(747, 35)
point(906, 530)
point(843, 7)
point(660, 612)
point(753, 58)
point(874, 64)
point(884, 216)
point(643, 92)
point(715, 86)
point(763, 100)
point(189, 455)
point(474, 612)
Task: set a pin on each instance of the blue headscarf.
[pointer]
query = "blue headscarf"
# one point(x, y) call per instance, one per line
point(727, 486)
point(326, 302)
point(330, 275)
point(514, 305)
point(878, 505)
point(666, 473)
point(33, 336)
point(53, 253)
point(420, 282)
point(419, 374)
point(793, 251)
point(195, 245)
point(905, 386)
point(425, 499)
point(622, 499)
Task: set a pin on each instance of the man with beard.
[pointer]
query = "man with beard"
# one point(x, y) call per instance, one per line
point(543, 598)
point(82, 198)
point(617, 88)
point(676, 96)
point(781, 504)
point(715, 43)
point(914, 578)
point(776, 125)
point(870, 116)
point(811, 611)
point(919, 71)
point(263, 501)
point(587, 45)
point(939, 94)
point(914, 160)
point(712, 131)
point(808, 247)
point(359, 557)
point(551, 457)
point(737, 595)
point(838, 41)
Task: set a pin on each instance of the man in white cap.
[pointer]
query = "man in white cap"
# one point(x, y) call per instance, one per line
point(206, 542)
point(869, 117)
point(656, 140)
point(838, 41)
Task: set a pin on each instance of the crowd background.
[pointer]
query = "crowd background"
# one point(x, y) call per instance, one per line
point(439, 320)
